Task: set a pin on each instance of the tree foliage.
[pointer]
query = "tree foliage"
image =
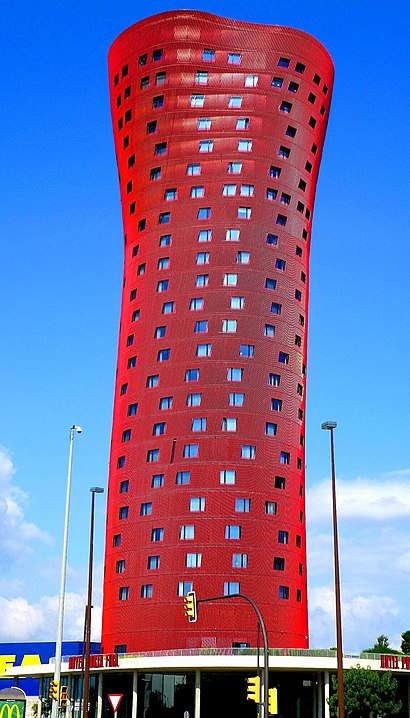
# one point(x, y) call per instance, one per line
point(366, 693)
point(405, 643)
point(382, 646)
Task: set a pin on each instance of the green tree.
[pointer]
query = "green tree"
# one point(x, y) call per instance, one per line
point(405, 643)
point(381, 646)
point(366, 693)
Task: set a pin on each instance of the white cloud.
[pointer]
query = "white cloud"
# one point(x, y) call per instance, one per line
point(381, 499)
point(16, 534)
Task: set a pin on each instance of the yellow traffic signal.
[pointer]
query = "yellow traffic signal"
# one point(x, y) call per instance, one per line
point(273, 701)
point(190, 606)
point(63, 696)
point(54, 691)
point(254, 689)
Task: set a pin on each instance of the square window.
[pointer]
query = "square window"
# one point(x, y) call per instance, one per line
point(280, 264)
point(158, 101)
point(283, 62)
point(164, 218)
point(284, 457)
point(239, 560)
point(124, 486)
point(157, 534)
point(196, 303)
point(153, 563)
point(120, 566)
point(183, 478)
point(155, 173)
point(193, 560)
point(231, 588)
point(251, 81)
point(116, 540)
point(229, 424)
point(163, 263)
point(187, 532)
point(204, 213)
point(234, 168)
point(170, 194)
point(276, 404)
point(274, 380)
point(234, 58)
point(244, 212)
point(204, 350)
point(283, 151)
point(162, 285)
point(123, 512)
point(206, 146)
point(141, 269)
point(123, 593)
point(291, 131)
point(144, 82)
point(236, 398)
point(197, 503)
point(248, 451)
point(234, 374)
point(270, 428)
point(168, 308)
point(283, 537)
point(229, 326)
point(184, 587)
point(300, 67)
point(275, 308)
point(205, 235)
point(284, 592)
point(126, 435)
point(271, 193)
point(270, 283)
point(157, 481)
point(229, 190)
point(159, 429)
point(278, 563)
point(245, 146)
point(123, 389)
point(165, 403)
point(235, 102)
point(312, 122)
point(272, 239)
point(152, 455)
point(198, 100)
point(271, 507)
point(242, 123)
point(281, 219)
point(190, 451)
point(247, 190)
point(202, 280)
point(208, 55)
point(204, 123)
point(246, 350)
point(160, 78)
point(232, 532)
point(283, 358)
point(227, 476)
point(163, 355)
point(192, 375)
point(237, 302)
point(157, 55)
point(197, 192)
point(277, 82)
point(193, 169)
point(193, 399)
point(198, 424)
point(146, 509)
point(132, 409)
point(242, 505)
point(202, 258)
point(201, 326)
point(232, 235)
point(151, 127)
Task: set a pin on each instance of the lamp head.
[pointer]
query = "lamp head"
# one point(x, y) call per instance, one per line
point(96, 490)
point(329, 425)
point(78, 429)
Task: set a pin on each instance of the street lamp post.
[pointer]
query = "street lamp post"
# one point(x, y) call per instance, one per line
point(60, 620)
point(86, 684)
point(330, 426)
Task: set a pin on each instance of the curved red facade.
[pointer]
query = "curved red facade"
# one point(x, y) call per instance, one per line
point(219, 127)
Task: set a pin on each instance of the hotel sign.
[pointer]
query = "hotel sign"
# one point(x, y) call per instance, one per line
point(392, 662)
point(99, 660)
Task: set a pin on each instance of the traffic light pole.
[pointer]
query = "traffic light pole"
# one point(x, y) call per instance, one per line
point(265, 642)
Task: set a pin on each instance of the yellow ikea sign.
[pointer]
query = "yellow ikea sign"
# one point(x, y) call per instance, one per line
point(8, 661)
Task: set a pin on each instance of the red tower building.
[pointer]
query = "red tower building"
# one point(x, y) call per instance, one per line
point(219, 127)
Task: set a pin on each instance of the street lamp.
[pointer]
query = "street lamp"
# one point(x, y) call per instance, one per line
point(60, 620)
point(86, 684)
point(330, 426)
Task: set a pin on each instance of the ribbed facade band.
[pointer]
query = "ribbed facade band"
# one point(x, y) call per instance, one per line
point(219, 127)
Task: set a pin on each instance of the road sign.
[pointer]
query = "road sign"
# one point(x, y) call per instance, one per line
point(115, 700)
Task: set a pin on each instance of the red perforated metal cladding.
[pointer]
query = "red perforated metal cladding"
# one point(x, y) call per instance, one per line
point(163, 106)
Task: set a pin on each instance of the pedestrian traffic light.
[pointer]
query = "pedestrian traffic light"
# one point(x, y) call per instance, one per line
point(63, 696)
point(54, 691)
point(254, 689)
point(273, 701)
point(190, 606)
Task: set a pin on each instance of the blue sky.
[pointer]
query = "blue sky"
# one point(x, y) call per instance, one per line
point(61, 267)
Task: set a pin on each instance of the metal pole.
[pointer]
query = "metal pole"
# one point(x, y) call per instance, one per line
point(331, 425)
point(86, 684)
point(61, 597)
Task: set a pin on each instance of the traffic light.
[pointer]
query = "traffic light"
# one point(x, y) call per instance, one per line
point(254, 689)
point(273, 701)
point(63, 696)
point(190, 606)
point(54, 691)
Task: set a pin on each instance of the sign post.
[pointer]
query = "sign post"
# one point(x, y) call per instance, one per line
point(115, 700)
